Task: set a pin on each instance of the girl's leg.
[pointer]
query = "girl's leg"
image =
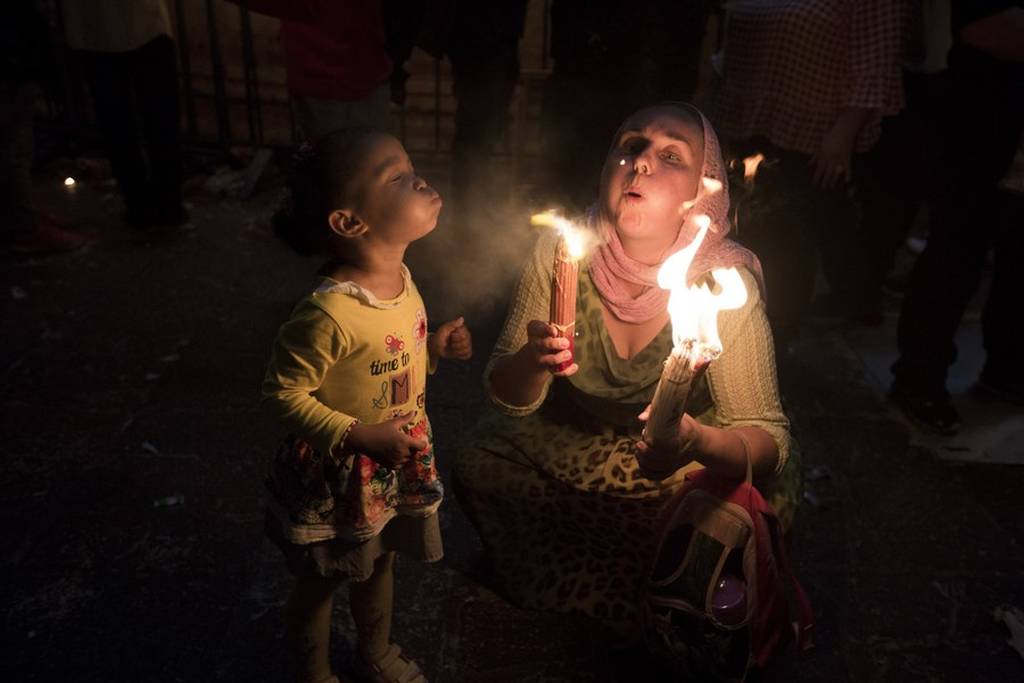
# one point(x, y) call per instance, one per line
point(308, 627)
point(371, 603)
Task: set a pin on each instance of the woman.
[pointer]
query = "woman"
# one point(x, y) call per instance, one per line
point(551, 480)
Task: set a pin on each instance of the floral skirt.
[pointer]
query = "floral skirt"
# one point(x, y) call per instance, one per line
point(319, 497)
point(417, 538)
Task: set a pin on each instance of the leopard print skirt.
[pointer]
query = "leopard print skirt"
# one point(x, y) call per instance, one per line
point(566, 519)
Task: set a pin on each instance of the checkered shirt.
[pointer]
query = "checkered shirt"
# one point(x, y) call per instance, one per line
point(791, 66)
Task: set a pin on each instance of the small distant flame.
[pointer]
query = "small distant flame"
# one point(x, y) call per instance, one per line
point(750, 165)
point(69, 182)
point(576, 239)
point(694, 309)
point(711, 185)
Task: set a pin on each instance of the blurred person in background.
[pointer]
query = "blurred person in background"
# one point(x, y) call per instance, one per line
point(900, 177)
point(806, 83)
point(336, 55)
point(981, 125)
point(649, 50)
point(483, 48)
point(25, 63)
point(127, 52)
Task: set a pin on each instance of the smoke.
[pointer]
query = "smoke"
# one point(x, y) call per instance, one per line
point(470, 264)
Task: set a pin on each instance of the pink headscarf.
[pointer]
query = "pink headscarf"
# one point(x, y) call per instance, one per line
point(611, 268)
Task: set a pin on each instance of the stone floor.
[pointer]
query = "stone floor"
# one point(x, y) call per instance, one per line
point(130, 373)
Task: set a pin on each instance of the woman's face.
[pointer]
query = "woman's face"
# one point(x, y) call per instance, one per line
point(652, 174)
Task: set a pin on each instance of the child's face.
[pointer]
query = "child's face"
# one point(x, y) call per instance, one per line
point(652, 174)
point(397, 205)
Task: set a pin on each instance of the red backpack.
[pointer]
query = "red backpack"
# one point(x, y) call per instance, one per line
point(717, 603)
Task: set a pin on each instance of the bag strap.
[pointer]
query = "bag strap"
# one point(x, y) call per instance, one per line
point(804, 625)
point(746, 456)
point(805, 616)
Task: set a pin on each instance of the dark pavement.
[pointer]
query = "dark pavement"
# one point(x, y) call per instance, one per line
point(130, 374)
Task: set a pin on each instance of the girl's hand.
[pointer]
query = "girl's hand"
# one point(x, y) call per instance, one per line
point(687, 441)
point(547, 349)
point(384, 442)
point(451, 340)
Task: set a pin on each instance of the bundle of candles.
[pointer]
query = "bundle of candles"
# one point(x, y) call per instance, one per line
point(693, 311)
point(572, 246)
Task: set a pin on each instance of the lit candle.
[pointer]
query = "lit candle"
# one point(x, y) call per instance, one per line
point(693, 311)
point(683, 367)
point(564, 277)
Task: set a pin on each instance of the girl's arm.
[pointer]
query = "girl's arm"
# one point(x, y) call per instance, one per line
point(451, 340)
point(306, 347)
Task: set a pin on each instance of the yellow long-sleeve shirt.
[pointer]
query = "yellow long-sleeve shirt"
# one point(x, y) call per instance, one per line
point(345, 356)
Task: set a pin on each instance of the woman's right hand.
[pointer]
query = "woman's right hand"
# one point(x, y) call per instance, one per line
point(384, 442)
point(547, 349)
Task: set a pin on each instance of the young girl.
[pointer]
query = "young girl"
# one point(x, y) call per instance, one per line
point(355, 482)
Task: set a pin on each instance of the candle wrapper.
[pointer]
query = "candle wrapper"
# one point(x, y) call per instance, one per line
point(683, 367)
point(564, 282)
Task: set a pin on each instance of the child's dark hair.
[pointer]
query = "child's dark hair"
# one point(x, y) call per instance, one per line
point(319, 175)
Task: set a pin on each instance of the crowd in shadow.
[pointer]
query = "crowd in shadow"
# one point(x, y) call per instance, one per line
point(842, 125)
point(868, 121)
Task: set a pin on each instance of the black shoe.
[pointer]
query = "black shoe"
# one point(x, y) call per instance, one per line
point(934, 412)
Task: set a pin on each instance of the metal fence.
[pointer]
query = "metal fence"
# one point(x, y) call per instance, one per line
point(209, 91)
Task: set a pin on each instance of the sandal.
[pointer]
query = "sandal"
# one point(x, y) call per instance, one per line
point(391, 668)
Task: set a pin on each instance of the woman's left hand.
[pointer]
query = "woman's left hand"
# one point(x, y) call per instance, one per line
point(687, 438)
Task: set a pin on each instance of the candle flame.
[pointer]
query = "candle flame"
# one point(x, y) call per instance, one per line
point(694, 309)
point(575, 238)
point(711, 185)
point(69, 182)
point(750, 165)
